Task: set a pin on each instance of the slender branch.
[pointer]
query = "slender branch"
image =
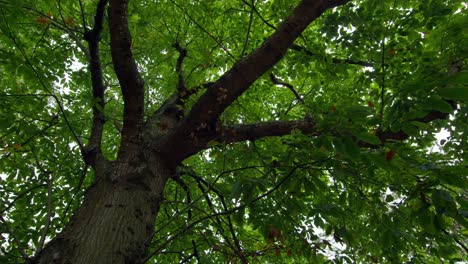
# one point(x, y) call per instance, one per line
point(62, 26)
point(230, 211)
point(382, 84)
point(334, 60)
point(252, 6)
point(15, 239)
point(42, 83)
point(461, 244)
point(247, 35)
point(50, 182)
point(25, 95)
point(19, 196)
point(239, 250)
point(203, 29)
point(92, 151)
point(287, 85)
point(126, 69)
point(50, 124)
point(204, 114)
point(400, 135)
point(211, 205)
point(210, 186)
point(182, 54)
point(75, 192)
point(184, 186)
point(195, 251)
point(83, 15)
point(300, 48)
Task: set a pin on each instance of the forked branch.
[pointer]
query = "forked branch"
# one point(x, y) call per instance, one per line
point(126, 69)
point(93, 150)
point(206, 111)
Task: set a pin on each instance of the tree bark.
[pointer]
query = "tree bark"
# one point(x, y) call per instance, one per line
point(116, 221)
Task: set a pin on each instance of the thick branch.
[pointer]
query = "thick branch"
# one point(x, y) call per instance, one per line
point(234, 82)
point(125, 67)
point(93, 149)
point(232, 134)
point(238, 133)
point(182, 54)
point(206, 111)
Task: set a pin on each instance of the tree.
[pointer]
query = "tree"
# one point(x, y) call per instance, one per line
point(237, 131)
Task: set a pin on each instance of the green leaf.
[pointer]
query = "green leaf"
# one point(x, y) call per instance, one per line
point(437, 103)
point(427, 221)
point(352, 149)
point(459, 78)
point(420, 125)
point(368, 138)
point(444, 202)
point(459, 93)
point(4, 123)
point(409, 129)
point(213, 143)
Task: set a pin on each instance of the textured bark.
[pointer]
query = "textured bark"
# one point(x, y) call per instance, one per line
point(116, 221)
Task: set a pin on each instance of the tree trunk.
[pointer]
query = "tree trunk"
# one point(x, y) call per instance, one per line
point(115, 223)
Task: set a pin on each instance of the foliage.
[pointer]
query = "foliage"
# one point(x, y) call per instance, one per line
point(339, 195)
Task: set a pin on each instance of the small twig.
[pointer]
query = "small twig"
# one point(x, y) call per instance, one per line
point(77, 189)
point(83, 15)
point(19, 196)
point(382, 84)
point(182, 54)
point(200, 181)
point(50, 182)
point(195, 251)
point(333, 60)
point(259, 15)
point(246, 41)
point(184, 186)
point(461, 244)
point(203, 29)
point(15, 239)
point(230, 211)
point(38, 76)
point(287, 85)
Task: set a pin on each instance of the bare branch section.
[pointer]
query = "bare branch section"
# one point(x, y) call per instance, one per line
point(232, 134)
point(206, 111)
point(180, 60)
point(126, 69)
point(92, 152)
point(239, 133)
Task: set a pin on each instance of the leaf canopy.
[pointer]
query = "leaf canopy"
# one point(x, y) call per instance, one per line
point(338, 196)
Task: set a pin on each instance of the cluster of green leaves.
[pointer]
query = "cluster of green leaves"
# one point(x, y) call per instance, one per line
point(293, 199)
